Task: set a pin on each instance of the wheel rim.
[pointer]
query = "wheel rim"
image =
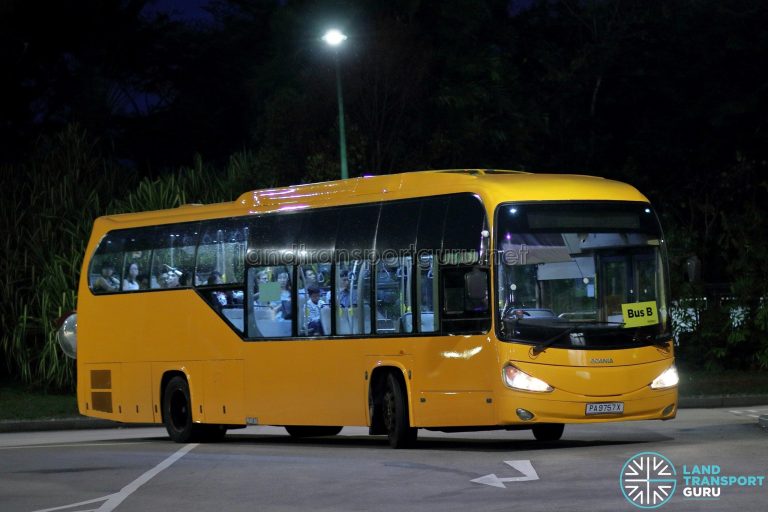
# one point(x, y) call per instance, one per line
point(389, 411)
point(179, 411)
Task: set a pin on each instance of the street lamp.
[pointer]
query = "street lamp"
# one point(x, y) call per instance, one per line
point(334, 38)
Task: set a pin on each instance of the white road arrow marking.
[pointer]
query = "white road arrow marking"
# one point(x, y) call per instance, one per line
point(523, 466)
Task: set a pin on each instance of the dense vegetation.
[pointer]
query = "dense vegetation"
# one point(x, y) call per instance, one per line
point(106, 106)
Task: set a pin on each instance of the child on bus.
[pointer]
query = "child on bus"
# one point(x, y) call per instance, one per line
point(312, 312)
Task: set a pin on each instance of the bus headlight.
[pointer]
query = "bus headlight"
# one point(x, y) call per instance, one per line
point(515, 378)
point(67, 335)
point(667, 379)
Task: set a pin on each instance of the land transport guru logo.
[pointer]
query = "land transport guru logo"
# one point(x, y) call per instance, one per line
point(648, 480)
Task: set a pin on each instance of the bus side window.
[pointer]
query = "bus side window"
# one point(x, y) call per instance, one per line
point(314, 296)
point(395, 240)
point(221, 251)
point(393, 296)
point(354, 241)
point(429, 244)
point(138, 253)
point(466, 307)
point(427, 292)
point(104, 275)
point(353, 297)
point(173, 259)
point(219, 269)
point(269, 298)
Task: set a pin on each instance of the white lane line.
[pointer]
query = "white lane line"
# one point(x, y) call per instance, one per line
point(112, 501)
point(117, 498)
point(80, 504)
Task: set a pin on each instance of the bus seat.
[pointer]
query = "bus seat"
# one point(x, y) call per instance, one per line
point(274, 328)
point(385, 325)
point(349, 319)
point(261, 312)
point(406, 322)
point(235, 317)
point(343, 324)
point(325, 319)
point(427, 322)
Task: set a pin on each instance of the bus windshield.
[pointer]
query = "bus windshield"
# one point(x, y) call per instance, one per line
point(581, 275)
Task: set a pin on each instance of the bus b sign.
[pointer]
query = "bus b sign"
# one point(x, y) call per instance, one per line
point(639, 314)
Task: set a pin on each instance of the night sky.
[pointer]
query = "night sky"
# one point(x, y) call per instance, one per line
point(185, 10)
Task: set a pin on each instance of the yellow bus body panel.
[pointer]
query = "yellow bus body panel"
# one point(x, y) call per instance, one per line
point(129, 343)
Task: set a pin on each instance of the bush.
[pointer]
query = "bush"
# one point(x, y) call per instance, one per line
point(48, 216)
point(49, 207)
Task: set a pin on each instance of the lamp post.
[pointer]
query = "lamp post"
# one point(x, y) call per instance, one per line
point(334, 38)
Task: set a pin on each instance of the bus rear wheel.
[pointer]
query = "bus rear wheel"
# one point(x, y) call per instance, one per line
point(395, 414)
point(548, 431)
point(306, 431)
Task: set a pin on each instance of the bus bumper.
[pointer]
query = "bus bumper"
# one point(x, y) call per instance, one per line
point(644, 404)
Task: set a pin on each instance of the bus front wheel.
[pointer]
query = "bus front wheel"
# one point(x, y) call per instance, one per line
point(177, 415)
point(395, 414)
point(177, 411)
point(548, 431)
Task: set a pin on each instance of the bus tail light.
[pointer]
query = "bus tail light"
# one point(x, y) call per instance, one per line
point(515, 378)
point(667, 379)
point(67, 335)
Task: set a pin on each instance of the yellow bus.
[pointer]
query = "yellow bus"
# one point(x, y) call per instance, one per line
point(451, 300)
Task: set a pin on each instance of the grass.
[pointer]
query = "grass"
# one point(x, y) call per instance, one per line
point(19, 403)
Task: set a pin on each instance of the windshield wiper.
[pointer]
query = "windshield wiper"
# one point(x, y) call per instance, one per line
point(658, 340)
point(541, 347)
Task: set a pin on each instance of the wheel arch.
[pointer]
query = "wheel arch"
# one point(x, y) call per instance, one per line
point(166, 378)
point(376, 386)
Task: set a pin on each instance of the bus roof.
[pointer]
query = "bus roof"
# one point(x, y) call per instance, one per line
point(492, 185)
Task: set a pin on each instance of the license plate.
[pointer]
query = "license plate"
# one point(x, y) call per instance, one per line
point(605, 408)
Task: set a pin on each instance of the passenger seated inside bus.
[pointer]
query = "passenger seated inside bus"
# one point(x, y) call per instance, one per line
point(131, 281)
point(106, 282)
point(170, 278)
point(313, 313)
point(220, 297)
point(282, 307)
point(262, 277)
point(344, 296)
point(312, 277)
